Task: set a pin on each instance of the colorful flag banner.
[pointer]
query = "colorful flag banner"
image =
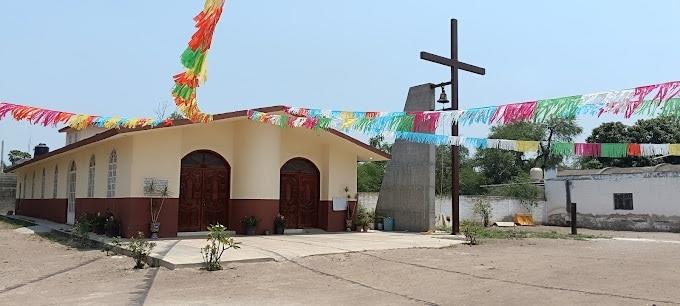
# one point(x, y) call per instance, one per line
point(609, 150)
point(647, 100)
point(194, 60)
point(45, 117)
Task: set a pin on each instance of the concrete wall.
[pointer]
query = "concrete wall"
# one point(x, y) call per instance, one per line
point(656, 204)
point(8, 184)
point(407, 191)
point(503, 208)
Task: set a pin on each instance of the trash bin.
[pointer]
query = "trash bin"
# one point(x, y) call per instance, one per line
point(388, 224)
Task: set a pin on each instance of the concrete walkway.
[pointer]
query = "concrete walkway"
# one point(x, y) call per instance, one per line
point(186, 252)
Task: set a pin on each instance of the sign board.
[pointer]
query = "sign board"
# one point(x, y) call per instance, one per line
point(339, 203)
point(154, 186)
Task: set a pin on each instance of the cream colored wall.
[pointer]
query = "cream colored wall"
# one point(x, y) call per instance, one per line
point(81, 157)
point(255, 173)
point(256, 152)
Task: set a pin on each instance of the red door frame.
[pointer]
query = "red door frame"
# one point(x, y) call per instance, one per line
point(298, 220)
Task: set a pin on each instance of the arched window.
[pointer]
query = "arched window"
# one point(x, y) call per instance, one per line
point(23, 191)
point(72, 182)
point(56, 182)
point(33, 186)
point(42, 185)
point(90, 178)
point(111, 178)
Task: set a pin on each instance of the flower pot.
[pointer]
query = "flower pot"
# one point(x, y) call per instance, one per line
point(250, 230)
point(348, 224)
point(365, 228)
point(380, 226)
point(99, 229)
point(279, 229)
point(154, 228)
point(112, 230)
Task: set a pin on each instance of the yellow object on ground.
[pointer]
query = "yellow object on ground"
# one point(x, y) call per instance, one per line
point(524, 219)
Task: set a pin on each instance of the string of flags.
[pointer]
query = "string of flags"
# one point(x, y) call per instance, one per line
point(612, 150)
point(648, 100)
point(45, 117)
point(194, 60)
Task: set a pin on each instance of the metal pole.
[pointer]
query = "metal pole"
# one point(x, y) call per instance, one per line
point(573, 218)
point(455, 154)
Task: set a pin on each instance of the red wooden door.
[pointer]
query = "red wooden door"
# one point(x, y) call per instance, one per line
point(204, 191)
point(299, 196)
point(190, 200)
point(215, 196)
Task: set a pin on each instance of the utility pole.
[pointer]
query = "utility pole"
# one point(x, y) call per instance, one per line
point(455, 154)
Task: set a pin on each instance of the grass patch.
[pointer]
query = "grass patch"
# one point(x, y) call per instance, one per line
point(13, 223)
point(497, 233)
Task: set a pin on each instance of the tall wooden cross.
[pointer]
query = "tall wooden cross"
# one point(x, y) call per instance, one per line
point(455, 155)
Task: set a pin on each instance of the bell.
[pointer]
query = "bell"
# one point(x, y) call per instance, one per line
point(443, 99)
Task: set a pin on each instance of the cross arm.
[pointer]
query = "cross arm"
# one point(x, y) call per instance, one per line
point(448, 62)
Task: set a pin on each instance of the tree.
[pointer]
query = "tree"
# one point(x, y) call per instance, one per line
point(470, 180)
point(16, 155)
point(370, 174)
point(498, 167)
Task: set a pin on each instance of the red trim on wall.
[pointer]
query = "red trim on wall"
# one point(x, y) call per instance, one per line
point(134, 214)
point(334, 221)
point(264, 210)
point(48, 209)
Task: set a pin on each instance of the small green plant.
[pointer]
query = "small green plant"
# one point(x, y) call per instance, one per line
point(471, 231)
point(140, 249)
point(218, 242)
point(482, 207)
point(81, 232)
point(250, 221)
point(112, 246)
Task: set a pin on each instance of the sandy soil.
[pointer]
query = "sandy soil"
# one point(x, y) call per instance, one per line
point(37, 271)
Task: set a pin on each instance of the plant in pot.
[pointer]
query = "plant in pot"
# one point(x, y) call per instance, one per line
point(250, 224)
point(279, 224)
point(99, 224)
point(348, 218)
point(155, 188)
point(112, 226)
point(362, 219)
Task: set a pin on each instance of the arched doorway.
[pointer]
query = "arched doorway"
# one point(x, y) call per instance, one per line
point(203, 192)
point(299, 196)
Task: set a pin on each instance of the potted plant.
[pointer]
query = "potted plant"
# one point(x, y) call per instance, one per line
point(250, 223)
point(156, 188)
point(99, 223)
point(362, 219)
point(112, 226)
point(348, 218)
point(279, 224)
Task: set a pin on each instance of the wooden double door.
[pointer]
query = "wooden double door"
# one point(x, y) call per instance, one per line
point(299, 197)
point(204, 191)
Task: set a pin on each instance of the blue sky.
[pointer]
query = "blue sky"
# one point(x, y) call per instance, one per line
point(117, 57)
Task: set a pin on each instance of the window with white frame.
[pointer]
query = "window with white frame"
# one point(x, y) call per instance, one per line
point(111, 177)
point(90, 178)
point(55, 182)
point(33, 186)
point(42, 184)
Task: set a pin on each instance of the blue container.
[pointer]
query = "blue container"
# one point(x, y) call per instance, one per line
point(388, 224)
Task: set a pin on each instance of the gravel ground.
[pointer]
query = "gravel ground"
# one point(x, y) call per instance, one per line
point(39, 271)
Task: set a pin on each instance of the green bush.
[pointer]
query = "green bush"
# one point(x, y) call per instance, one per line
point(471, 231)
point(218, 242)
point(140, 248)
point(483, 209)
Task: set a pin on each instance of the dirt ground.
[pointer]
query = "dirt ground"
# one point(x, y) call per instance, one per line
point(39, 271)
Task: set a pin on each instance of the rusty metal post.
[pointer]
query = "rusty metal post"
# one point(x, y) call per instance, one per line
point(455, 153)
point(573, 219)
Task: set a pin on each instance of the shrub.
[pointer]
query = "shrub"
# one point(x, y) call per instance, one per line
point(81, 232)
point(140, 249)
point(483, 209)
point(471, 231)
point(250, 221)
point(218, 242)
point(115, 243)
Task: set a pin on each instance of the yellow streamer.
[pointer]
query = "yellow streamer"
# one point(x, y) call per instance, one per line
point(527, 146)
point(674, 149)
